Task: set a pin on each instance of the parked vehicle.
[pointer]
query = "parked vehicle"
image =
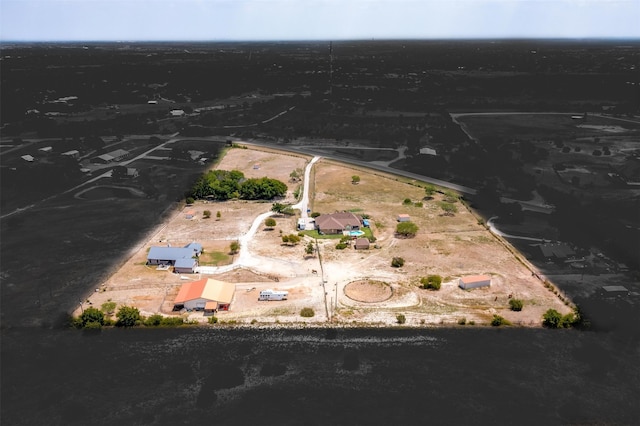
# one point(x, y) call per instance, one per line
point(273, 295)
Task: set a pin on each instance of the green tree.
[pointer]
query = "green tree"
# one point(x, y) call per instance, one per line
point(234, 247)
point(127, 316)
point(291, 239)
point(309, 249)
point(278, 208)
point(91, 315)
point(407, 229)
point(190, 200)
point(218, 215)
point(355, 179)
point(429, 190)
point(515, 304)
point(153, 321)
point(431, 282)
point(407, 201)
point(108, 307)
point(315, 214)
point(206, 214)
point(341, 246)
point(552, 318)
point(270, 223)
point(262, 189)
point(497, 321)
point(397, 262)
point(448, 208)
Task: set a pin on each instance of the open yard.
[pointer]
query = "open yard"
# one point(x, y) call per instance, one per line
point(447, 245)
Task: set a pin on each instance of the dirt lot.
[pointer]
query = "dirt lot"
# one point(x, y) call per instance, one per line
point(451, 246)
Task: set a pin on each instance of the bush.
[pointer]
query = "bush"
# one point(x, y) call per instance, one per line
point(127, 316)
point(497, 321)
point(206, 214)
point(172, 321)
point(418, 204)
point(307, 312)
point(552, 319)
point(397, 262)
point(462, 321)
point(212, 320)
point(91, 315)
point(401, 319)
point(108, 307)
point(314, 214)
point(153, 321)
point(190, 200)
point(431, 282)
point(407, 229)
point(515, 305)
point(270, 222)
point(407, 201)
point(341, 246)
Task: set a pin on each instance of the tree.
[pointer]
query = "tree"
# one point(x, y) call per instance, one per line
point(127, 316)
point(552, 318)
point(355, 179)
point(407, 229)
point(429, 190)
point(291, 239)
point(108, 307)
point(309, 249)
point(218, 215)
point(397, 262)
point(119, 172)
point(448, 208)
point(234, 247)
point(515, 305)
point(190, 200)
point(315, 214)
point(295, 175)
point(278, 208)
point(91, 315)
point(497, 321)
point(206, 214)
point(407, 201)
point(431, 282)
point(270, 223)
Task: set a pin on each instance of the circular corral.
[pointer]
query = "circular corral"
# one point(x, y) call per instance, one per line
point(368, 291)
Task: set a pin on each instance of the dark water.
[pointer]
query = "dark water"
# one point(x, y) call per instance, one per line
point(318, 377)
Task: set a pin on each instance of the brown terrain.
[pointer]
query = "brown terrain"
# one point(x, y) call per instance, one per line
point(343, 287)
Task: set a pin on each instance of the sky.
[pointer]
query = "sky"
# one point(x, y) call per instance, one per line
point(239, 20)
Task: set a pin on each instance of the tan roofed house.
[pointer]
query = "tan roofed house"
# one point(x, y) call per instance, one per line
point(335, 223)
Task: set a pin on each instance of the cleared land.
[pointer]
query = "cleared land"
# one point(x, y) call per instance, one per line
point(451, 246)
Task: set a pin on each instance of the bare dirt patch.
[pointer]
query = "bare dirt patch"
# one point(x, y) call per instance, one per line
point(368, 291)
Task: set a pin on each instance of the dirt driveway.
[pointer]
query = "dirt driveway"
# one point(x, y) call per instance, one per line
point(450, 246)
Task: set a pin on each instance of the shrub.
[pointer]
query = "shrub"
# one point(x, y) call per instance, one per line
point(462, 321)
point(234, 247)
point(91, 315)
point(497, 321)
point(341, 246)
point(314, 214)
point(307, 312)
point(407, 229)
point(552, 319)
point(127, 316)
point(153, 321)
point(418, 204)
point(397, 262)
point(431, 282)
point(515, 304)
point(206, 214)
point(190, 200)
point(270, 222)
point(472, 322)
point(407, 201)
point(401, 319)
point(108, 307)
point(212, 320)
point(172, 321)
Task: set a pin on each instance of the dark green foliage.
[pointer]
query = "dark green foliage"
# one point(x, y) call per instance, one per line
point(291, 239)
point(262, 189)
point(153, 321)
point(401, 319)
point(497, 321)
point(190, 200)
point(397, 262)
point(552, 318)
point(307, 312)
point(407, 201)
point(91, 315)
point(315, 214)
point(515, 304)
point(270, 222)
point(127, 316)
point(462, 321)
point(341, 246)
point(429, 190)
point(172, 321)
point(309, 249)
point(448, 208)
point(206, 214)
point(431, 282)
point(218, 184)
point(407, 229)
point(234, 247)
point(108, 307)
point(212, 320)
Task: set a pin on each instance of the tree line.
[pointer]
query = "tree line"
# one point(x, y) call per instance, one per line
point(223, 185)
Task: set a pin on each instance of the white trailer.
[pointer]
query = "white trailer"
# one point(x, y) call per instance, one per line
point(273, 295)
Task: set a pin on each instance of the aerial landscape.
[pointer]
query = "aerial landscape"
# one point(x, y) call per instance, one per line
point(327, 232)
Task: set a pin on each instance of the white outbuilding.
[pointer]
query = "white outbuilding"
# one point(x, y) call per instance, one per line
point(474, 281)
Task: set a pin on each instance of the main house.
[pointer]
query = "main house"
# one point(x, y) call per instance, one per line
point(206, 294)
point(183, 259)
point(336, 223)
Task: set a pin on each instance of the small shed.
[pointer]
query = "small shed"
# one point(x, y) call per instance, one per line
point(74, 153)
point(474, 281)
point(189, 214)
point(361, 244)
point(404, 217)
